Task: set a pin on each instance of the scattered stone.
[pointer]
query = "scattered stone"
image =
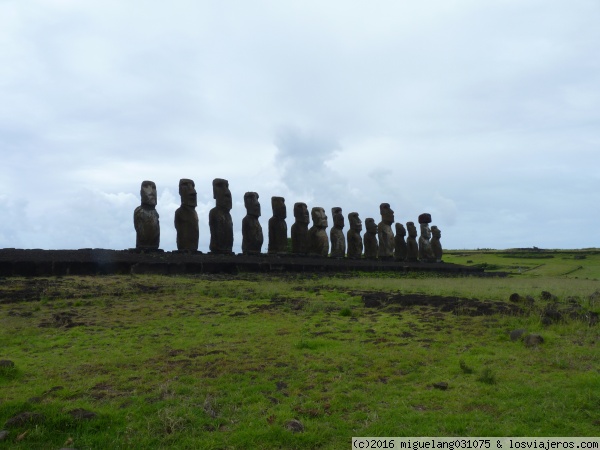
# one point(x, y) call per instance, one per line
point(442, 385)
point(35, 400)
point(146, 219)
point(529, 300)
point(551, 314)
point(533, 340)
point(6, 364)
point(3, 435)
point(515, 298)
point(355, 243)
point(517, 334)
point(24, 418)
point(82, 414)
point(547, 296)
point(295, 426)
point(281, 385)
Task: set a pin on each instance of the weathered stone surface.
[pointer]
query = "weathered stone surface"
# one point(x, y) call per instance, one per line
point(532, 340)
point(400, 249)
point(412, 247)
point(300, 229)
point(186, 217)
point(145, 218)
point(295, 426)
point(278, 227)
point(336, 235)
point(436, 245)
point(318, 240)
point(370, 239)
point(252, 234)
point(219, 219)
point(425, 251)
point(3, 434)
point(385, 233)
point(355, 242)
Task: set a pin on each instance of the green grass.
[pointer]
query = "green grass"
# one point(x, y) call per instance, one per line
point(219, 362)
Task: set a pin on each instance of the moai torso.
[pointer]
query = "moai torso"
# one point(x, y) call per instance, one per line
point(145, 219)
point(186, 218)
point(370, 240)
point(278, 227)
point(318, 240)
point(300, 229)
point(412, 247)
point(336, 235)
point(400, 243)
point(219, 219)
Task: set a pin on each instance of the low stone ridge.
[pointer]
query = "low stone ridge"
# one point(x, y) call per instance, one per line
point(36, 262)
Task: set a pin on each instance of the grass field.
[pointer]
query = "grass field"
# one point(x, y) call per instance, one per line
point(301, 361)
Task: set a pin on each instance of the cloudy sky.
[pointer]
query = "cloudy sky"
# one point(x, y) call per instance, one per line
point(485, 114)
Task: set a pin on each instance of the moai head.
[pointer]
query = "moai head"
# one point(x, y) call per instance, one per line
point(436, 232)
point(425, 231)
point(387, 214)
point(278, 205)
point(187, 191)
point(221, 193)
point(400, 230)
point(371, 225)
point(301, 213)
point(251, 203)
point(412, 230)
point(148, 193)
point(319, 217)
point(338, 217)
point(355, 222)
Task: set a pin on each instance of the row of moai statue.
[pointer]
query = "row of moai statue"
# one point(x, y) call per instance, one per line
point(378, 242)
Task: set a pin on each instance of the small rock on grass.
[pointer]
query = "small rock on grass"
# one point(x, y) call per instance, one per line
point(442, 385)
point(532, 340)
point(295, 426)
point(3, 435)
point(517, 334)
point(6, 364)
point(24, 418)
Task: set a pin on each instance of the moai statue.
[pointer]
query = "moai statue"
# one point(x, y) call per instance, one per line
point(336, 235)
point(252, 234)
point(355, 242)
point(436, 245)
point(186, 217)
point(385, 233)
point(145, 219)
point(219, 219)
point(278, 227)
point(318, 242)
point(401, 249)
point(370, 239)
point(300, 229)
point(425, 251)
point(412, 248)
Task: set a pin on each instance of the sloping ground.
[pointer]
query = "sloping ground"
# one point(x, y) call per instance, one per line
point(17, 262)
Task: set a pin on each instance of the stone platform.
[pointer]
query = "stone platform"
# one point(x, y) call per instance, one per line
point(37, 262)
